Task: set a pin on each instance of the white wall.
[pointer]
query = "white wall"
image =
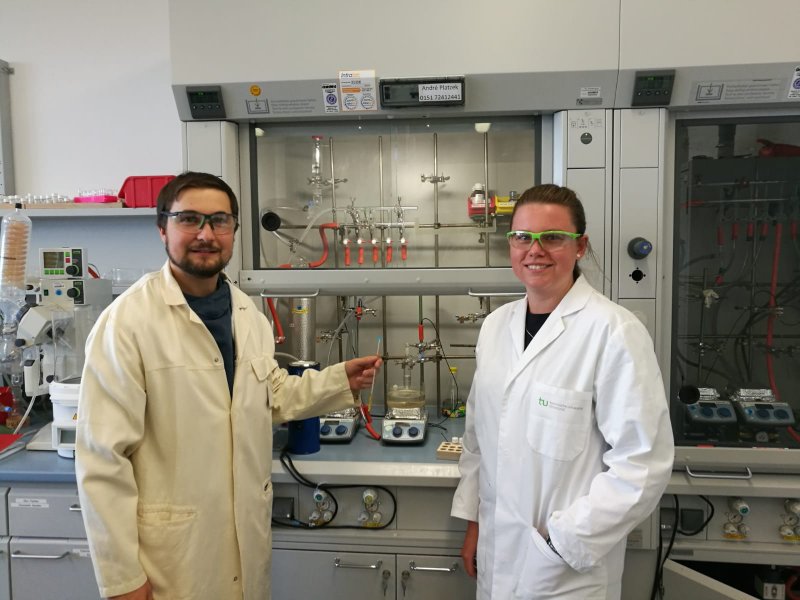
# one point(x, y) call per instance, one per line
point(684, 33)
point(273, 40)
point(90, 98)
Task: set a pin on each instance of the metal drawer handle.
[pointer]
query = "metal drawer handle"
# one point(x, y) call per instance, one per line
point(75, 508)
point(413, 566)
point(297, 295)
point(340, 565)
point(748, 475)
point(496, 294)
point(18, 554)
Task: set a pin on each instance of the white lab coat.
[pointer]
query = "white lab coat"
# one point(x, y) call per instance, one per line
point(570, 437)
point(174, 473)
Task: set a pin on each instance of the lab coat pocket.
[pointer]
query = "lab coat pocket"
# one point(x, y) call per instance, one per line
point(544, 574)
point(558, 421)
point(167, 544)
point(261, 370)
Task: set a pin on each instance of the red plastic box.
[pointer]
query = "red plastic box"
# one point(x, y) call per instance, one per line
point(141, 191)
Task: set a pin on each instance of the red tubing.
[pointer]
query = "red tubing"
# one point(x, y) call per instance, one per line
point(312, 265)
point(773, 285)
point(368, 422)
point(388, 254)
point(278, 329)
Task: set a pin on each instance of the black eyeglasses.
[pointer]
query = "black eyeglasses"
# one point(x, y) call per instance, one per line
point(192, 222)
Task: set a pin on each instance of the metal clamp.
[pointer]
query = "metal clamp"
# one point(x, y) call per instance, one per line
point(340, 565)
point(413, 566)
point(18, 554)
point(748, 475)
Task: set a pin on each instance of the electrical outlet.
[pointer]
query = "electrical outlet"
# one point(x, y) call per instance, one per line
point(283, 508)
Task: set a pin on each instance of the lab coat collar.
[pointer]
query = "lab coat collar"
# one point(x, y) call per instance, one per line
point(576, 298)
point(173, 295)
point(240, 304)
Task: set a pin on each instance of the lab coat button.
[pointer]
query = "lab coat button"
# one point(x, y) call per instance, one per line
point(216, 360)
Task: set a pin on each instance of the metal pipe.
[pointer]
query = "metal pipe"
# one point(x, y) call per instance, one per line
point(335, 246)
point(436, 260)
point(422, 365)
point(486, 208)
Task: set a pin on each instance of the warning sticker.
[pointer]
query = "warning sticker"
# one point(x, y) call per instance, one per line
point(737, 91)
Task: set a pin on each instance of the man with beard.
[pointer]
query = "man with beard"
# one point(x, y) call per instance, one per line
point(178, 397)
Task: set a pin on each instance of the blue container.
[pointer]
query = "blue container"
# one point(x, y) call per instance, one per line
point(304, 434)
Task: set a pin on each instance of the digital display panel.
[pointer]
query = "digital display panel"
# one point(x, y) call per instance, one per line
point(204, 97)
point(53, 260)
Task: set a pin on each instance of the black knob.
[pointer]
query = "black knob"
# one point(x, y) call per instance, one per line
point(19, 342)
point(325, 429)
point(639, 248)
point(73, 270)
point(341, 430)
point(397, 432)
point(270, 221)
point(688, 394)
point(73, 292)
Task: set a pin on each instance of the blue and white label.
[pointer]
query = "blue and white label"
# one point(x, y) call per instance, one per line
point(330, 97)
point(794, 87)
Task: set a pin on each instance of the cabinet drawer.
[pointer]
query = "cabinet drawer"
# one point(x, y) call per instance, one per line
point(52, 569)
point(310, 574)
point(421, 577)
point(45, 511)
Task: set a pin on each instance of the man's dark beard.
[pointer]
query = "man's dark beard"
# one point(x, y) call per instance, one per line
point(198, 271)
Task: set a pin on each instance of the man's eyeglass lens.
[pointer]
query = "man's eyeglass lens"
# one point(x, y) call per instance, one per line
point(549, 240)
point(190, 221)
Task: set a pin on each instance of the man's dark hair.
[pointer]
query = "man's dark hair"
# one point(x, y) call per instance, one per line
point(187, 181)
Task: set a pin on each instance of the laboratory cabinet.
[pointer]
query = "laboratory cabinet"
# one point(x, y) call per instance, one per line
point(47, 556)
point(368, 575)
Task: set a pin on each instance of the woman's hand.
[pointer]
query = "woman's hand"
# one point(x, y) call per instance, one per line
point(469, 550)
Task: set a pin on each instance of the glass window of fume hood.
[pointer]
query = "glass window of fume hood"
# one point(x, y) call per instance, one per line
point(736, 284)
point(374, 181)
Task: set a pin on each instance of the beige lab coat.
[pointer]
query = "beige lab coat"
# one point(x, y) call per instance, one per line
point(173, 473)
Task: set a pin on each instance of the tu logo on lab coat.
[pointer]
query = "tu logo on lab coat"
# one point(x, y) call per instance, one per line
point(543, 402)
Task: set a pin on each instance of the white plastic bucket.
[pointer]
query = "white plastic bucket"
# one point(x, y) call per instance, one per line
point(64, 396)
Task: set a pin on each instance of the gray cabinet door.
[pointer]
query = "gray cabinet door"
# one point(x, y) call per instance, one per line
point(52, 569)
point(332, 575)
point(5, 575)
point(421, 577)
